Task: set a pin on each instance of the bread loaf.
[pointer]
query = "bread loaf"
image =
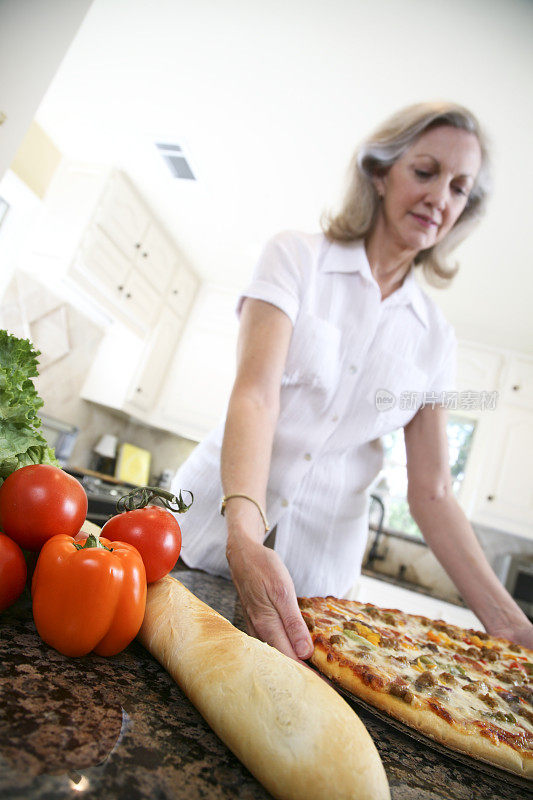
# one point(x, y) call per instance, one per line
point(299, 738)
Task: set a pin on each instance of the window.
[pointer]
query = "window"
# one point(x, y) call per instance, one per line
point(391, 483)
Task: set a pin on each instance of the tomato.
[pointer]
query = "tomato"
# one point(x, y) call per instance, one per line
point(154, 532)
point(40, 501)
point(12, 571)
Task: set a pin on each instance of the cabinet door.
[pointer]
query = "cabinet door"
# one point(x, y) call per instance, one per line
point(182, 289)
point(199, 382)
point(519, 383)
point(159, 350)
point(123, 216)
point(102, 264)
point(478, 369)
point(139, 300)
point(155, 258)
point(505, 499)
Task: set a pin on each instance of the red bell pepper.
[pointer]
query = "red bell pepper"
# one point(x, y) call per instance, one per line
point(88, 595)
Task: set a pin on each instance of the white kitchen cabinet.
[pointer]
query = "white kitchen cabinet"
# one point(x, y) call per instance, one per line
point(496, 488)
point(518, 389)
point(181, 290)
point(479, 369)
point(153, 368)
point(505, 497)
point(387, 595)
point(156, 259)
point(122, 215)
point(195, 394)
point(104, 271)
point(97, 233)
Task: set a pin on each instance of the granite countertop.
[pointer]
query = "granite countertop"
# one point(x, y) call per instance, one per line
point(120, 728)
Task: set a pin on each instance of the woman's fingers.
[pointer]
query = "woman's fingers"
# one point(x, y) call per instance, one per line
point(269, 601)
point(283, 598)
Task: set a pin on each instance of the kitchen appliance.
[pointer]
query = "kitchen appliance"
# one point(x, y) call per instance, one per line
point(105, 454)
point(102, 494)
point(59, 435)
point(133, 464)
point(516, 574)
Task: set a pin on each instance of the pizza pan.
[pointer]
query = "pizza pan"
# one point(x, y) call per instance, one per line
point(488, 769)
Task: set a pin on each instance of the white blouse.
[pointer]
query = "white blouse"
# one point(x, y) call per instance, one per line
point(347, 348)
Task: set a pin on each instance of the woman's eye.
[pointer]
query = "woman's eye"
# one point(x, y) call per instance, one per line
point(460, 190)
point(422, 173)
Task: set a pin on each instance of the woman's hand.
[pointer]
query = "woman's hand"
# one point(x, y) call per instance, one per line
point(519, 633)
point(268, 598)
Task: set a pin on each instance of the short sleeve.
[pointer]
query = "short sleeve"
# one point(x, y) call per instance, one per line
point(444, 379)
point(277, 278)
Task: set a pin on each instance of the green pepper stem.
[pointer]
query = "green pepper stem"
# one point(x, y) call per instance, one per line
point(92, 541)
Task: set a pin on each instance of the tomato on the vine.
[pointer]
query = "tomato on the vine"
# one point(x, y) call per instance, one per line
point(40, 501)
point(154, 532)
point(12, 571)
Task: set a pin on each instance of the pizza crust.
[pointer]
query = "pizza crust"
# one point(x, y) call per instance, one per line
point(421, 718)
point(298, 737)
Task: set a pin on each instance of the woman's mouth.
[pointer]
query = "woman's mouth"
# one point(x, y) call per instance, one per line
point(426, 222)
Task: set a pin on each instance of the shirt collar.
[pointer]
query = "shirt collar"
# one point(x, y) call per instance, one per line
point(351, 257)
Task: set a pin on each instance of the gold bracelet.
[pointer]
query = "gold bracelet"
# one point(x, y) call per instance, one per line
point(251, 499)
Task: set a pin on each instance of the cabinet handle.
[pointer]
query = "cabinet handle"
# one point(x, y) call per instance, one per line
point(175, 291)
point(128, 295)
point(120, 288)
point(137, 245)
point(516, 388)
point(490, 498)
point(145, 255)
point(138, 389)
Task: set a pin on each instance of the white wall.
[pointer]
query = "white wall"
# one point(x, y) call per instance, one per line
point(34, 37)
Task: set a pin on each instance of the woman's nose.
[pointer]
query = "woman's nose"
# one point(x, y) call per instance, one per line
point(438, 194)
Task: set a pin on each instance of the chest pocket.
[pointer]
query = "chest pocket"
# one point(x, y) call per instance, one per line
point(395, 391)
point(314, 354)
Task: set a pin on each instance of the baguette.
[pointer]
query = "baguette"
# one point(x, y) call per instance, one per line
point(299, 738)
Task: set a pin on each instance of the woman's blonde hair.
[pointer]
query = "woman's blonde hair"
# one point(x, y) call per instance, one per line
point(378, 153)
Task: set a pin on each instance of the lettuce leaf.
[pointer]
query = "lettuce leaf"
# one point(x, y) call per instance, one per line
point(21, 438)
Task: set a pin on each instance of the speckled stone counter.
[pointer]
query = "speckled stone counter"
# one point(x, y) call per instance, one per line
point(121, 728)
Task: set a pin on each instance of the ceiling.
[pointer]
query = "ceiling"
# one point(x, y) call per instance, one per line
point(270, 98)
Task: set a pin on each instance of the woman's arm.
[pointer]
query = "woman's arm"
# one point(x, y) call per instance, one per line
point(262, 580)
point(448, 532)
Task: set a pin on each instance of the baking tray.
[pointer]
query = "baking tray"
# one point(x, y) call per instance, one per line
point(488, 769)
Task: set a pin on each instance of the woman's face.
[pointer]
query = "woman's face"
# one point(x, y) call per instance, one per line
point(426, 190)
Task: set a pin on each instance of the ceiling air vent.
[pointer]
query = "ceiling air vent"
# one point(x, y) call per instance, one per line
point(176, 161)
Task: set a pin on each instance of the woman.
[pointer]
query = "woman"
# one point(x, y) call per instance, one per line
point(331, 324)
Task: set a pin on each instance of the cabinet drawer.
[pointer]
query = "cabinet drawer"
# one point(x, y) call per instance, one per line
point(181, 290)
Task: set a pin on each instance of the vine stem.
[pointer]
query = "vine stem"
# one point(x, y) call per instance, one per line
point(144, 495)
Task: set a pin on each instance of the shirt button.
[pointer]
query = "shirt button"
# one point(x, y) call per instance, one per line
point(353, 368)
point(284, 502)
point(307, 456)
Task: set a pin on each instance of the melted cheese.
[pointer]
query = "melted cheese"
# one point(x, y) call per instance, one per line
point(464, 707)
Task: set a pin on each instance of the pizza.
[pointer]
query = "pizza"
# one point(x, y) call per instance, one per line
point(465, 689)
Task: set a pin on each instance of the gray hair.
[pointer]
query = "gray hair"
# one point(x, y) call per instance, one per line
point(379, 152)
